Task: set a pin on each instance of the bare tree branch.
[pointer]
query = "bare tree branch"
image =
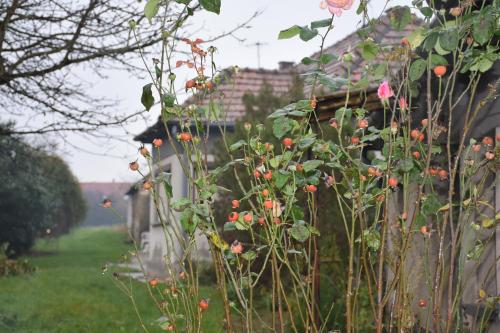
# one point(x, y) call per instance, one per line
point(44, 44)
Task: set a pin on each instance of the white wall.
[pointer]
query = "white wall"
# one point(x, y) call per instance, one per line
point(165, 240)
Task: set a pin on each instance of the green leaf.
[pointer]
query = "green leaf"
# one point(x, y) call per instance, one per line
point(483, 27)
point(249, 255)
point(379, 71)
point(229, 226)
point(214, 110)
point(427, 11)
point(311, 165)
point(369, 50)
point(306, 142)
point(181, 204)
point(308, 61)
point(416, 37)
point(437, 60)
point(299, 232)
point(164, 178)
point(275, 161)
point(439, 49)
point(237, 145)
point(283, 111)
point(406, 165)
point(484, 64)
point(448, 39)
point(476, 252)
point(361, 84)
point(400, 17)
point(307, 34)
point(430, 205)
point(326, 58)
point(297, 113)
point(488, 223)
point(164, 323)
point(321, 23)
point(157, 72)
point(151, 9)
point(189, 221)
point(332, 83)
point(296, 212)
point(420, 220)
point(211, 5)
point(289, 33)
point(240, 225)
point(281, 126)
point(417, 69)
point(430, 41)
point(372, 239)
point(435, 150)
point(280, 179)
point(370, 137)
point(313, 230)
point(168, 100)
point(342, 115)
point(147, 98)
point(202, 210)
point(361, 7)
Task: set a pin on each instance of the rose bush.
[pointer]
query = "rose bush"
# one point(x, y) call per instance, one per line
point(411, 193)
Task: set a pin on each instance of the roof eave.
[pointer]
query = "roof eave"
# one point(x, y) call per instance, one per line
point(366, 99)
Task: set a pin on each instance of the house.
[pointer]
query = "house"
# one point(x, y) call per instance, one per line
point(234, 84)
point(137, 214)
point(483, 275)
point(94, 193)
point(327, 104)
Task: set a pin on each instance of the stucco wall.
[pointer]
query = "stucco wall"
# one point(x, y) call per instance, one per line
point(165, 238)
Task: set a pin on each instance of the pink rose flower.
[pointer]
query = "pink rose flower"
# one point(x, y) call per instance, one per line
point(336, 6)
point(384, 91)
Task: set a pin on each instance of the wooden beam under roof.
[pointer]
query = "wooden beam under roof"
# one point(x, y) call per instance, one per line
point(328, 105)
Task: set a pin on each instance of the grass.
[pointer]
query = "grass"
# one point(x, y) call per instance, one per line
point(69, 292)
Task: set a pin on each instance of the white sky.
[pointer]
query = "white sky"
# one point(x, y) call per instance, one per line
point(277, 15)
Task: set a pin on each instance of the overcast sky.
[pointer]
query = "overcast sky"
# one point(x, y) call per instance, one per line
point(276, 15)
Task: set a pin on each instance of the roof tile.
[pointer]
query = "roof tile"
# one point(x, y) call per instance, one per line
point(234, 84)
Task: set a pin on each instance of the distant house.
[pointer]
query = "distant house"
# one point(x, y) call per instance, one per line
point(95, 192)
point(234, 85)
point(137, 213)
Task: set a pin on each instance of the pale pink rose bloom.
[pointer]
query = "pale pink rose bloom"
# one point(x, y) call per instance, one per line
point(384, 91)
point(336, 6)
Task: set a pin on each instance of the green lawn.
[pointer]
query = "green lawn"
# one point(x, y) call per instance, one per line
point(69, 292)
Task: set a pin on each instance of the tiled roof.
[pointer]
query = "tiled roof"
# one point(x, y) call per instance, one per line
point(382, 34)
point(236, 83)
